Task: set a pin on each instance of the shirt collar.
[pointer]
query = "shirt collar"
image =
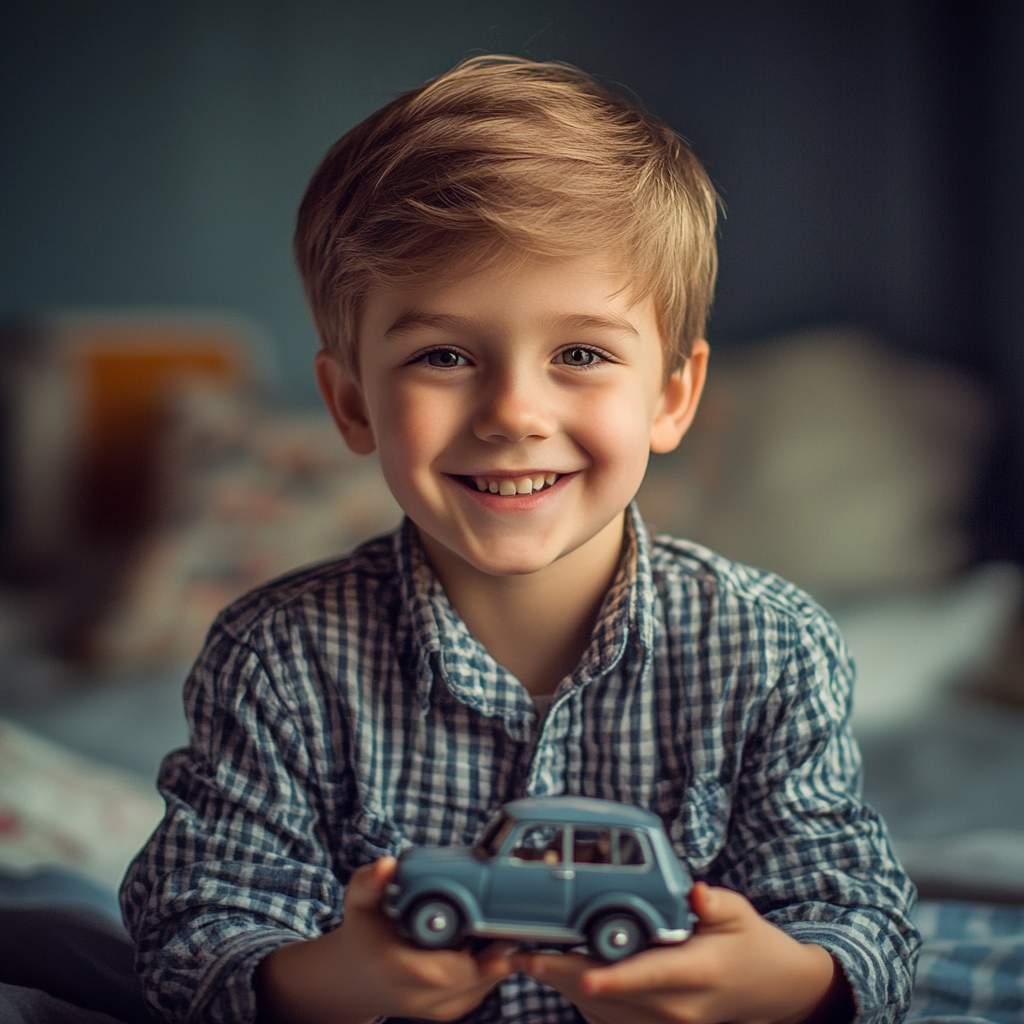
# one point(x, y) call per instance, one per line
point(442, 643)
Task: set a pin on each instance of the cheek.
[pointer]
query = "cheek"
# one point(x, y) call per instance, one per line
point(415, 428)
point(616, 430)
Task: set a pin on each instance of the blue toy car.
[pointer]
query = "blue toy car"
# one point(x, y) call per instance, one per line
point(562, 870)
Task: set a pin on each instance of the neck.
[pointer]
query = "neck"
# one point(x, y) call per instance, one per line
point(536, 625)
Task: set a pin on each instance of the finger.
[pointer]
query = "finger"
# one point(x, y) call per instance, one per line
point(552, 971)
point(443, 972)
point(365, 888)
point(496, 961)
point(466, 984)
point(458, 968)
point(552, 968)
point(610, 1009)
point(654, 971)
point(717, 907)
point(499, 948)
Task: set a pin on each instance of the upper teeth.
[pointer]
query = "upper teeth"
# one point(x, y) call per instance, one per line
point(522, 485)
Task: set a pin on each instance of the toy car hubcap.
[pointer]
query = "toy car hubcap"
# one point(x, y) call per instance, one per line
point(434, 923)
point(615, 937)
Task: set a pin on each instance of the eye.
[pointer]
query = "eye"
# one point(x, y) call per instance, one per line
point(578, 356)
point(444, 358)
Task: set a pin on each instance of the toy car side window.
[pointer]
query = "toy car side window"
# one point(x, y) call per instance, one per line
point(539, 844)
point(592, 846)
point(631, 850)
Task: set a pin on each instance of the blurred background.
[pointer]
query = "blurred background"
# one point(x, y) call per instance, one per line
point(162, 450)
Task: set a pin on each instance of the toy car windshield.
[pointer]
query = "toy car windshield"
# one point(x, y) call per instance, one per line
point(494, 838)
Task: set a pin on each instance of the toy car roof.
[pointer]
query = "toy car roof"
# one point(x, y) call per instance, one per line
point(580, 810)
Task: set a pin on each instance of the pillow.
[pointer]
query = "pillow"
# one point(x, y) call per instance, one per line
point(830, 460)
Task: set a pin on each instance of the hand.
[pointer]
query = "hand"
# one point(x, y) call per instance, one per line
point(364, 970)
point(736, 967)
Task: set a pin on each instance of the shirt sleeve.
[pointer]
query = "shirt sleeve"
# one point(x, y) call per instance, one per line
point(810, 855)
point(239, 864)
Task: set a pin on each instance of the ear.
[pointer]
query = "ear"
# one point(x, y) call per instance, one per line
point(343, 397)
point(678, 403)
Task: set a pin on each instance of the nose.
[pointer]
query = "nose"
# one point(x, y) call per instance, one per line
point(513, 408)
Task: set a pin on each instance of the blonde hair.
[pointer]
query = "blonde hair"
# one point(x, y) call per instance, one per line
point(502, 157)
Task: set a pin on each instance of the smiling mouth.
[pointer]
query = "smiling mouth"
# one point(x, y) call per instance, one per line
point(510, 486)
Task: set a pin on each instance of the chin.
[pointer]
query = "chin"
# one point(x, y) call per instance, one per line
point(509, 566)
point(508, 563)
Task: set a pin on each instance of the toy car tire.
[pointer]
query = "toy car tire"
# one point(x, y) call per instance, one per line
point(434, 923)
point(612, 937)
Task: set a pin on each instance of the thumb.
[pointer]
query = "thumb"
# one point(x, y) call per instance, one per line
point(365, 888)
point(715, 906)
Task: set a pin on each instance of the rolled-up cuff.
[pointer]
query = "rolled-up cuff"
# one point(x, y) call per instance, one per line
point(876, 987)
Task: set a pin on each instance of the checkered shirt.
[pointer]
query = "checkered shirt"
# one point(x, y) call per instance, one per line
point(345, 712)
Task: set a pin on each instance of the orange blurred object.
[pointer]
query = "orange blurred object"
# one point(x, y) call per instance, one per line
point(87, 398)
point(127, 378)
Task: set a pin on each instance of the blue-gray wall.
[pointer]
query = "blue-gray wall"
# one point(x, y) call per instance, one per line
point(870, 155)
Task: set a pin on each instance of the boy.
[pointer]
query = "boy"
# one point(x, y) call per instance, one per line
point(510, 270)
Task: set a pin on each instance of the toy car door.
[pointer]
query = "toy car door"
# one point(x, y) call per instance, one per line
point(530, 881)
point(607, 860)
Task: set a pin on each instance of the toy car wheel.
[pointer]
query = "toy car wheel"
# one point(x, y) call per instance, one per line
point(615, 936)
point(434, 923)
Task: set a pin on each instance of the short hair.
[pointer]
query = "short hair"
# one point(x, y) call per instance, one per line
point(503, 157)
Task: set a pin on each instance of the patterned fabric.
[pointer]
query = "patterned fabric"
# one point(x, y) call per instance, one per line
point(346, 712)
point(972, 963)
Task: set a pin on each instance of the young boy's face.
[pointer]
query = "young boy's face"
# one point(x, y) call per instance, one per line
point(542, 382)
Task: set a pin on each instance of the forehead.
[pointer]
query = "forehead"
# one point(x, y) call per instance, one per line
point(583, 293)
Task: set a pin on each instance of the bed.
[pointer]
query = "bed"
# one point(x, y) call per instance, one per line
point(258, 491)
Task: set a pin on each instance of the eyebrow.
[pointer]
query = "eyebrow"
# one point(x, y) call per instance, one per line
point(415, 319)
point(590, 322)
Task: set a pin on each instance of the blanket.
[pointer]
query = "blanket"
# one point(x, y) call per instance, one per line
point(972, 963)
